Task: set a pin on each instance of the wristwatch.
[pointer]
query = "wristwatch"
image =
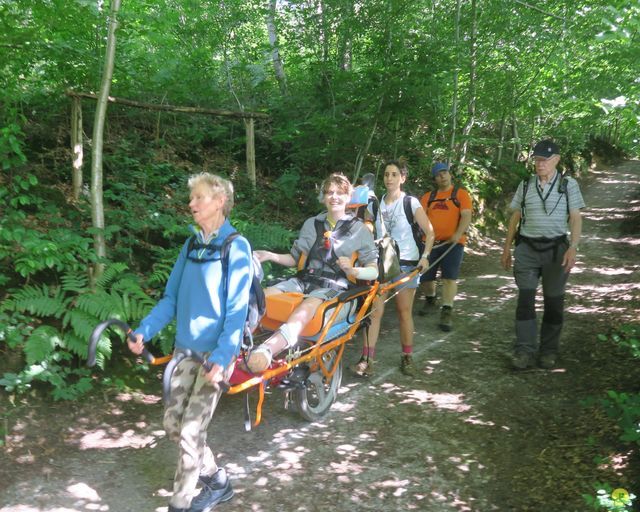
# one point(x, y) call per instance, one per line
point(574, 246)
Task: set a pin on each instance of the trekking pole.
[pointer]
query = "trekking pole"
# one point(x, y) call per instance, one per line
point(398, 288)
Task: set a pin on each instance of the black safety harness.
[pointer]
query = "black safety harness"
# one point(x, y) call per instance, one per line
point(328, 274)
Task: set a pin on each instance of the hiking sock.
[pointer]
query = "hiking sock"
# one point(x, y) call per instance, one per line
point(407, 349)
point(369, 353)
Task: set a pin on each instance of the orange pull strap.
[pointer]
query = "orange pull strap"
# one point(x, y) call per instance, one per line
point(259, 406)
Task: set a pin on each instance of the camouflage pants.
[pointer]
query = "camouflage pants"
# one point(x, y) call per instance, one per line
point(186, 418)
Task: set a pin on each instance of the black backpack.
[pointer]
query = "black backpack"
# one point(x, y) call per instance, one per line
point(416, 230)
point(453, 197)
point(375, 206)
point(257, 301)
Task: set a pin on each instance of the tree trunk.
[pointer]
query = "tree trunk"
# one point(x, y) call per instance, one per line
point(251, 151)
point(278, 67)
point(471, 109)
point(77, 150)
point(346, 39)
point(324, 32)
point(362, 153)
point(97, 207)
point(516, 136)
point(454, 101)
point(503, 130)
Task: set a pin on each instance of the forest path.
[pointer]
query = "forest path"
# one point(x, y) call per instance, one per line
point(467, 434)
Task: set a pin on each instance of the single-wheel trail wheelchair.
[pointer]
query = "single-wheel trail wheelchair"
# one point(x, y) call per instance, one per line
point(310, 373)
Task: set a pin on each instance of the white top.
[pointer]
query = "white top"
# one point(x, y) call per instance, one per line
point(394, 222)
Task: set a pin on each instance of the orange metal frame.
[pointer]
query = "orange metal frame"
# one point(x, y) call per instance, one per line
point(320, 347)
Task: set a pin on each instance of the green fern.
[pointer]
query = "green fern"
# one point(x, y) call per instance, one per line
point(160, 273)
point(76, 343)
point(42, 343)
point(100, 305)
point(104, 350)
point(74, 283)
point(110, 273)
point(266, 236)
point(40, 301)
point(135, 301)
point(82, 324)
point(69, 313)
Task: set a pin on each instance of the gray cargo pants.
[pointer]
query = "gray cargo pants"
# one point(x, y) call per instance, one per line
point(529, 266)
point(186, 418)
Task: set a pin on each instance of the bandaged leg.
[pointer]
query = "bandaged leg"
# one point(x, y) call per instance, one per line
point(285, 337)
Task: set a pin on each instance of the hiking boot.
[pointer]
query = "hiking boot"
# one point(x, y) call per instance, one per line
point(216, 489)
point(364, 367)
point(428, 306)
point(522, 361)
point(259, 359)
point(176, 509)
point(406, 365)
point(445, 319)
point(547, 361)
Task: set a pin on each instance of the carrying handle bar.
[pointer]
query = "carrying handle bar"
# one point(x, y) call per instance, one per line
point(148, 356)
point(178, 357)
point(100, 328)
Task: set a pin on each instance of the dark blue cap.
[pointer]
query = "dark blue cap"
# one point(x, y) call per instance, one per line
point(546, 148)
point(438, 168)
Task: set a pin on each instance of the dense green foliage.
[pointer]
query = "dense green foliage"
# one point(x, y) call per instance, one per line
point(345, 84)
point(624, 408)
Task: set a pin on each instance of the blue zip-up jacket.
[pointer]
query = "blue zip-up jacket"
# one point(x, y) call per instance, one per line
point(194, 297)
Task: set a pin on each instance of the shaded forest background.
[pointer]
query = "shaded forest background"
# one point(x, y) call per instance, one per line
point(344, 85)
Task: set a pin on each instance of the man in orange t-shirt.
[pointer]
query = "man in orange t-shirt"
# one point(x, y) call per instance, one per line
point(449, 211)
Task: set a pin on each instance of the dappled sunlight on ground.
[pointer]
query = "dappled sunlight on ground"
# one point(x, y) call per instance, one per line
point(465, 434)
point(138, 397)
point(447, 401)
point(496, 277)
point(627, 240)
point(475, 420)
point(110, 438)
point(608, 271)
point(617, 462)
point(27, 508)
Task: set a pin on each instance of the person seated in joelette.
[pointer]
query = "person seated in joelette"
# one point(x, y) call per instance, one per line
point(328, 265)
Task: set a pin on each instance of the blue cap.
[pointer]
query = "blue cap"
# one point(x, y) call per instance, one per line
point(438, 168)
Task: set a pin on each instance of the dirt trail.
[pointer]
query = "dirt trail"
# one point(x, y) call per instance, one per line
point(467, 434)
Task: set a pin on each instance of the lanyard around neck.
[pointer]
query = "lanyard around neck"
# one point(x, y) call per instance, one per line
point(544, 199)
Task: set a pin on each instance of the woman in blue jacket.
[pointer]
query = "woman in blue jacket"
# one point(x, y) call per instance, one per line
point(209, 320)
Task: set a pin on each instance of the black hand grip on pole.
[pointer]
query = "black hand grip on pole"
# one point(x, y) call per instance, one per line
point(168, 372)
point(178, 357)
point(100, 328)
point(97, 332)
